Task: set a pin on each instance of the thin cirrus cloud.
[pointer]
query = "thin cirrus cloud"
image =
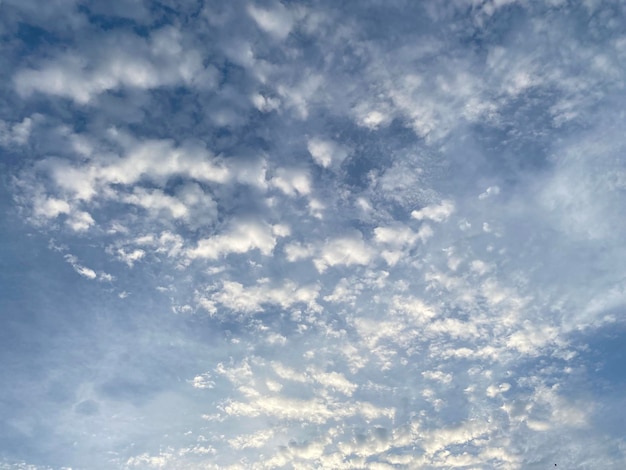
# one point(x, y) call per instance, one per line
point(312, 235)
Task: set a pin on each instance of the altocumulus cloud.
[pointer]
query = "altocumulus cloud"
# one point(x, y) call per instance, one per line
point(290, 234)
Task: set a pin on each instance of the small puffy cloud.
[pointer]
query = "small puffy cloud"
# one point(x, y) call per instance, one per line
point(335, 380)
point(532, 339)
point(345, 250)
point(345, 291)
point(85, 272)
point(158, 61)
point(276, 21)
point(312, 411)
point(265, 104)
point(435, 212)
point(296, 251)
point(157, 201)
point(202, 381)
point(479, 267)
point(397, 236)
point(437, 376)
point(15, 133)
point(80, 221)
point(106, 277)
point(292, 182)
point(298, 96)
point(238, 297)
point(329, 380)
point(326, 153)
point(156, 161)
point(493, 390)
point(50, 208)
point(454, 328)
point(316, 208)
point(415, 308)
point(241, 237)
point(425, 232)
point(397, 239)
point(489, 192)
point(254, 440)
point(79, 268)
point(464, 433)
point(130, 257)
point(374, 119)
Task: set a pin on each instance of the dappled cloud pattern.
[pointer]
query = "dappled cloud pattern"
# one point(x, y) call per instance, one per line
point(313, 234)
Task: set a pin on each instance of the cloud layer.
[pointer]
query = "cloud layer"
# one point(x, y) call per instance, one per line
point(313, 234)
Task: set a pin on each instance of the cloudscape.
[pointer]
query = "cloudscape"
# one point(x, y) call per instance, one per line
point(312, 234)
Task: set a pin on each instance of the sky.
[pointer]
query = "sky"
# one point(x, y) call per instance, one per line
point(312, 234)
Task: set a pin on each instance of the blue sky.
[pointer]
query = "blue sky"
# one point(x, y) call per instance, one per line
point(315, 234)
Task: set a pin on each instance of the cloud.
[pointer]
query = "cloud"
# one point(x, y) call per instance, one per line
point(332, 237)
point(489, 192)
point(436, 213)
point(276, 21)
point(156, 201)
point(16, 133)
point(202, 381)
point(130, 257)
point(241, 236)
point(80, 269)
point(326, 153)
point(347, 250)
point(161, 60)
point(291, 182)
point(235, 296)
point(296, 251)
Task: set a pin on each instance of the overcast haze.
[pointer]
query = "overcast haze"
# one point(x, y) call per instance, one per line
point(312, 234)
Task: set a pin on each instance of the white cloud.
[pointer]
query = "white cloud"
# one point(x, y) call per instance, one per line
point(265, 104)
point(373, 119)
point(296, 251)
point(202, 381)
point(16, 133)
point(346, 290)
point(415, 308)
point(50, 208)
point(490, 192)
point(493, 391)
point(277, 21)
point(156, 161)
point(397, 236)
point(316, 208)
point(314, 411)
point(336, 381)
point(292, 182)
point(130, 257)
point(79, 268)
point(255, 440)
point(160, 60)
point(252, 298)
point(437, 376)
point(156, 201)
point(347, 250)
point(326, 153)
point(531, 339)
point(436, 212)
point(298, 96)
point(455, 328)
point(241, 237)
point(79, 221)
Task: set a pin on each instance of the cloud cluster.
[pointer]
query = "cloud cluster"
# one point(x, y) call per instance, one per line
point(316, 235)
